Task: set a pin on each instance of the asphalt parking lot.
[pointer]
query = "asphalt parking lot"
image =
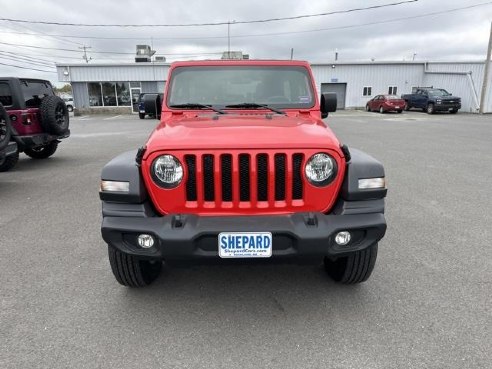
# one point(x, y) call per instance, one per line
point(427, 304)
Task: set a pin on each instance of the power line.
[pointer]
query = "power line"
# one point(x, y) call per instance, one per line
point(28, 56)
point(361, 24)
point(39, 47)
point(235, 36)
point(25, 60)
point(267, 34)
point(35, 69)
point(222, 23)
point(44, 34)
point(102, 52)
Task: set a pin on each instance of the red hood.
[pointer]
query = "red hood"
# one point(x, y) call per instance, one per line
point(241, 131)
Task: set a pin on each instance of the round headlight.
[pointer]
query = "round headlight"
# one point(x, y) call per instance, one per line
point(321, 169)
point(167, 171)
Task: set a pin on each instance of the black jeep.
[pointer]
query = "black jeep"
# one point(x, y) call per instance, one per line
point(32, 117)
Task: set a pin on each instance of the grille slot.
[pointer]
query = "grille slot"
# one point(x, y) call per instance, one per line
point(208, 178)
point(262, 170)
point(226, 164)
point(244, 178)
point(191, 183)
point(280, 177)
point(297, 185)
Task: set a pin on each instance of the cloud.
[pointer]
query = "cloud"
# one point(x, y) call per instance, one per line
point(452, 36)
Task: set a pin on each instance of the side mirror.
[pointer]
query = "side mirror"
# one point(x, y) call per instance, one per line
point(152, 105)
point(328, 103)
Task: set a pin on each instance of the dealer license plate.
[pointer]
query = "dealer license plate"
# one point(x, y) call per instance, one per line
point(245, 245)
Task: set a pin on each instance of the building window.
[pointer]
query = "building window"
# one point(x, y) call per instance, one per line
point(123, 93)
point(95, 94)
point(392, 90)
point(109, 94)
point(367, 91)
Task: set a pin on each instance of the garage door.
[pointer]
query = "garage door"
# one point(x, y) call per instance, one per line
point(338, 88)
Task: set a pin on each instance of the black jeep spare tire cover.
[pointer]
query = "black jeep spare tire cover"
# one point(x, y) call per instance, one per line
point(4, 128)
point(54, 115)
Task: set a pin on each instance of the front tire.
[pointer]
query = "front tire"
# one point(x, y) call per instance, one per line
point(42, 152)
point(430, 109)
point(131, 271)
point(141, 115)
point(8, 162)
point(407, 107)
point(381, 110)
point(368, 108)
point(354, 268)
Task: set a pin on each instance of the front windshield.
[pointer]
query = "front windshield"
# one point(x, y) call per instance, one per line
point(282, 87)
point(439, 92)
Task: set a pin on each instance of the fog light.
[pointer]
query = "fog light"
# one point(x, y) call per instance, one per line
point(145, 241)
point(342, 238)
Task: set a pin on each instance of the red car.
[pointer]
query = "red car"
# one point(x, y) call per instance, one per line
point(385, 103)
point(242, 168)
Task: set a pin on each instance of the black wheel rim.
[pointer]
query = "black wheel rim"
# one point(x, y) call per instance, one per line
point(38, 149)
point(60, 115)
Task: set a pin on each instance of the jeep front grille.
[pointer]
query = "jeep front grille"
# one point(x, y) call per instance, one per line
point(244, 180)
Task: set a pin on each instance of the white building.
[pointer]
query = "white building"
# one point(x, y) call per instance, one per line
point(117, 86)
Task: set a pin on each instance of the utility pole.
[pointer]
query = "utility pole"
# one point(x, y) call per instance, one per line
point(229, 38)
point(291, 53)
point(486, 74)
point(85, 53)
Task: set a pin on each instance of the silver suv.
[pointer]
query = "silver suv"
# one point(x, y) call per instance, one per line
point(69, 103)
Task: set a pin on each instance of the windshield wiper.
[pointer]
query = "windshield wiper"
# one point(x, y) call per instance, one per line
point(197, 106)
point(255, 106)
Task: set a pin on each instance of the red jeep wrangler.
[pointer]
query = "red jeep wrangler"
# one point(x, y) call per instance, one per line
point(242, 167)
point(37, 119)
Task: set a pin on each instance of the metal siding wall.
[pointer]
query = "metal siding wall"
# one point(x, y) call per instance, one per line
point(377, 76)
point(356, 76)
point(80, 94)
point(149, 87)
point(458, 85)
point(116, 73)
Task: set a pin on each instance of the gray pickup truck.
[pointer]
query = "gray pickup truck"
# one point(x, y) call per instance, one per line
point(432, 100)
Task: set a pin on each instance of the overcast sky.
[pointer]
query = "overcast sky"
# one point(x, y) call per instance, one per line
point(456, 35)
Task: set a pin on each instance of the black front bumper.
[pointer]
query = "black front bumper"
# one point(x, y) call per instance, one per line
point(446, 107)
point(188, 237)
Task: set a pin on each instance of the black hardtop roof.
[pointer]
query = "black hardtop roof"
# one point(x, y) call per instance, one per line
point(23, 79)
